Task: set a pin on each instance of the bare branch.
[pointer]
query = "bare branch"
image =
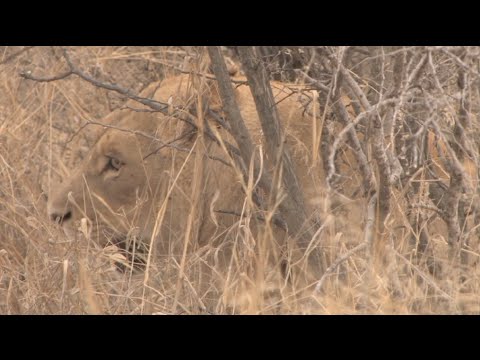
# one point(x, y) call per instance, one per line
point(425, 277)
point(244, 141)
point(276, 147)
point(239, 130)
point(336, 264)
point(340, 138)
point(28, 75)
point(369, 182)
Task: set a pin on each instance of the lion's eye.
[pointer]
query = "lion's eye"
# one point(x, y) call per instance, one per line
point(114, 164)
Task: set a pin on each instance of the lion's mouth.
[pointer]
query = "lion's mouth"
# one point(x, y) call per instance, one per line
point(132, 249)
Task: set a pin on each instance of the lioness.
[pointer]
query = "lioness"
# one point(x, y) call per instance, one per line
point(154, 178)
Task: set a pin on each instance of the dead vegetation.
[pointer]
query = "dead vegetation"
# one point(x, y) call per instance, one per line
point(394, 129)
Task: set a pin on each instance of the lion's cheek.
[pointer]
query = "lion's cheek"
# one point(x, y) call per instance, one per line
point(125, 187)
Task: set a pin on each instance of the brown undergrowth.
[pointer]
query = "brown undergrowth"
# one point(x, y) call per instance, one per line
point(44, 272)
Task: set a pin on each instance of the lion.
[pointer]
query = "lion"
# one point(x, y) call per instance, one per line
point(157, 185)
point(148, 169)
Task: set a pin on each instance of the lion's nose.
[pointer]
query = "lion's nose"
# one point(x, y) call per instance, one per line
point(60, 218)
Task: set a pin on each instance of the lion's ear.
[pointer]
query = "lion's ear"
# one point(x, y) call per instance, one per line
point(232, 68)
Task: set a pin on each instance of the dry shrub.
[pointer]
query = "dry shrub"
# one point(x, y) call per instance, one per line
point(44, 272)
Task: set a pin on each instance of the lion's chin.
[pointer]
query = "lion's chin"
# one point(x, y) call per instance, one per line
point(70, 232)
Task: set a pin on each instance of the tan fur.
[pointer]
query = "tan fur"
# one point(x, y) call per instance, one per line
point(438, 153)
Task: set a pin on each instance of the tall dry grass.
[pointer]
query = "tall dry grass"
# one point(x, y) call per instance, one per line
point(44, 272)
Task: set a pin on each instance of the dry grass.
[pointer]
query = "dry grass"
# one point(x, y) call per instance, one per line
point(43, 272)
